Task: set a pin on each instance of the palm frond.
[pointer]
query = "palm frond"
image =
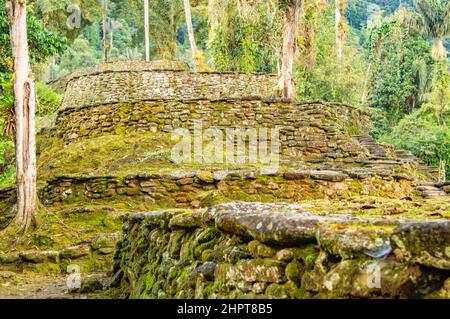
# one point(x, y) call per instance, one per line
point(412, 21)
point(435, 14)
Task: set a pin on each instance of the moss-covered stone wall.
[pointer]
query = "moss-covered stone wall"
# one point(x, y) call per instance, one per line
point(7, 206)
point(204, 188)
point(307, 130)
point(241, 250)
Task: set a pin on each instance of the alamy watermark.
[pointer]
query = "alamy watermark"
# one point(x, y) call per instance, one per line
point(74, 18)
point(259, 147)
point(374, 276)
point(73, 281)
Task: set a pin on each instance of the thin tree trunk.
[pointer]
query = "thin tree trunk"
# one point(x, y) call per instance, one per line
point(111, 36)
point(290, 32)
point(442, 171)
point(172, 45)
point(339, 23)
point(105, 22)
point(187, 10)
point(24, 104)
point(239, 8)
point(146, 31)
point(365, 93)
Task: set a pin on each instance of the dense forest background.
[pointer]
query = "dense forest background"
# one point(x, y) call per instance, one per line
point(389, 64)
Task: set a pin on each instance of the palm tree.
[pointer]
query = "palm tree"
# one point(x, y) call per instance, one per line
point(432, 19)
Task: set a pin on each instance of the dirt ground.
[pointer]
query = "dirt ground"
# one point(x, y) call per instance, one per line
point(36, 286)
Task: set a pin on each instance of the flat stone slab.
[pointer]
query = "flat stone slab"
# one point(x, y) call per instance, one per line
point(426, 243)
point(284, 223)
point(351, 241)
point(268, 223)
point(427, 188)
point(38, 257)
point(333, 176)
point(75, 252)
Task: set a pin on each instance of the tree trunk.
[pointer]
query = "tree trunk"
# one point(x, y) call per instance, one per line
point(187, 10)
point(442, 170)
point(365, 93)
point(172, 47)
point(146, 31)
point(290, 33)
point(340, 32)
point(111, 36)
point(438, 50)
point(105, 26)
point(24, 104)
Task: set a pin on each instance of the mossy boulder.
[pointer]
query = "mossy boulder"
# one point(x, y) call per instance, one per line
point(426, 243)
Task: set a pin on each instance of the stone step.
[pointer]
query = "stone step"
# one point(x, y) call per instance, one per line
point(423, 183)
point(434, 195)
point(381, 162)
point(424, 188)
point(378, 151)
point(443, 184)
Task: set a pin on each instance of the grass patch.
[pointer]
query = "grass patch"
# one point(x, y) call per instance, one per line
point(113, 155)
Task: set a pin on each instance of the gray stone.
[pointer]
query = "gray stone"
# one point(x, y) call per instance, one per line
point(75, 252)
point(207, 270)
point(39, 257)
point(331, 176)
point(268, 223)
point(105, 241)
point(354, 240)
point(426, 243)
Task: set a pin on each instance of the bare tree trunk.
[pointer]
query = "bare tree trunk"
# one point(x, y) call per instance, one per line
point(105, 26)
point(187, 10)
point(442, 170)
point(365, 93)
point(172, 44)
point(24, 105)
point(111, 36)
point(340, 32)
point(290, 33)
point(239, 7)
point(146, 31)
point(438, 50)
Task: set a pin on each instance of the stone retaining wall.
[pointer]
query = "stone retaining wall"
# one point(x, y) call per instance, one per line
point(119, 83)
point(312, 129)
point(204, 188)
point(7, 204)
point(253, 250)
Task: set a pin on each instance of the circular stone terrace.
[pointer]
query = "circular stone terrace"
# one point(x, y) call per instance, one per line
point(339, 202)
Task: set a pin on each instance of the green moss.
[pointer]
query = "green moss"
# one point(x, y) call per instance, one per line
point(294, 272)
point(117, 154)
point(258, 249)
point(150, 280)
point(281, 291)
point(48, 268)
point(207, 255)
point(198, 251)
point(213, 288)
